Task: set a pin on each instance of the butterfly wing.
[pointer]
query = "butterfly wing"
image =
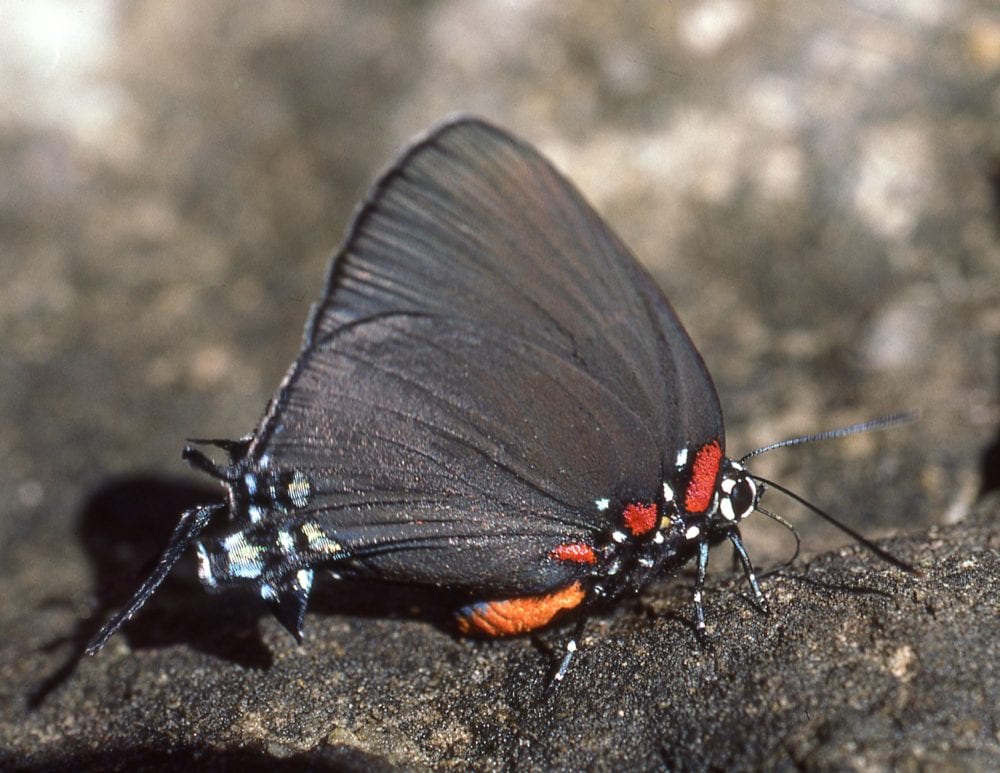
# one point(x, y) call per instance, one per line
point(473, 224)
point(442, 452)
point(487, 361)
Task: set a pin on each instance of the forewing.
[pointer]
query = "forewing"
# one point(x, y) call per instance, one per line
point(473, 224)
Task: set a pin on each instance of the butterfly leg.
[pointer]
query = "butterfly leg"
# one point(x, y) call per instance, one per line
point(701, 569)
point(571, 648)
point(758, 595)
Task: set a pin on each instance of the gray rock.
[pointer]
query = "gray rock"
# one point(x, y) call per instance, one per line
point(816, 187)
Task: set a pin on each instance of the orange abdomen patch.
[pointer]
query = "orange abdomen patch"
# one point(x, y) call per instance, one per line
point(510, 617)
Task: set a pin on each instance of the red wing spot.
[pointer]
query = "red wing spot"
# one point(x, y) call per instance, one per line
point(640, 518)
point(704, 471)
point(577, 552)
point(509, 617)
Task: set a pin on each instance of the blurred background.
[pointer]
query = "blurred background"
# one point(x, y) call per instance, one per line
point(816, 185)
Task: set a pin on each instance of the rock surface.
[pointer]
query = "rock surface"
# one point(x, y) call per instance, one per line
point(816, 187)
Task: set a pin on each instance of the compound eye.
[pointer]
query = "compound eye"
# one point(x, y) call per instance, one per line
point(739, 500)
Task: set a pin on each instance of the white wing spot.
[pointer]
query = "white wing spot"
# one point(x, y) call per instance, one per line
point(602, 504)
point(304, 577)
point(243, 557)
point(692, 532)
point(299, 489)
point(205, 567)
point(318, 541)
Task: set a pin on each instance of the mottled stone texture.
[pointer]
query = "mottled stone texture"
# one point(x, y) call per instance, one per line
point(815, 185)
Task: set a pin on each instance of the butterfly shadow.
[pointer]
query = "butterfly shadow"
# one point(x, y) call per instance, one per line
point(123, 527)
point(989, 462)
point(845, 587)
point(359, 598)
